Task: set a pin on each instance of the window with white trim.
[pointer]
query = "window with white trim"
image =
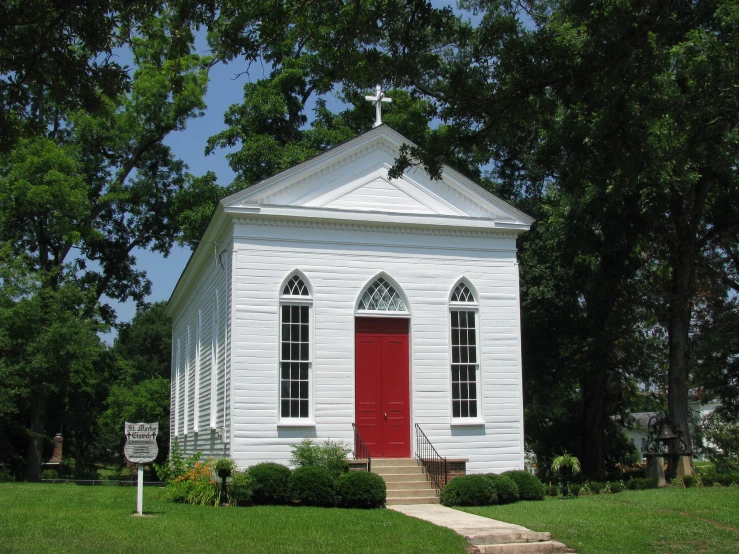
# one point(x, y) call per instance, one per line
point(295, 350)
point(464, 359)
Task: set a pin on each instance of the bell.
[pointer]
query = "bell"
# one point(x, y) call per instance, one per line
point(665, 432)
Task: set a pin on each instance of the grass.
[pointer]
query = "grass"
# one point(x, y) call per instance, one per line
point(656, 521)
point(72, 518)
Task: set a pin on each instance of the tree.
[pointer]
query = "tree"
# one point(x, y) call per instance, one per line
point(76, 200)
point(624, 112)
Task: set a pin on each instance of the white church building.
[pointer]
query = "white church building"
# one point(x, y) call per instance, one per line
point(330, 295)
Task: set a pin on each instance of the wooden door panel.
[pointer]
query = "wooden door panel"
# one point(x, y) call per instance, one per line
point(382, 386)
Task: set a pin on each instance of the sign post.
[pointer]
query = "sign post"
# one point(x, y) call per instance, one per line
point(141, 448)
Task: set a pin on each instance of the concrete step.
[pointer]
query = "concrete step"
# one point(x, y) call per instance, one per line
point(508, 537)
point(411, 500)
point(402, 493)
point(403, 477)
point(404, 469)
point(544, 547)
point(400, 485)
point(394, 462)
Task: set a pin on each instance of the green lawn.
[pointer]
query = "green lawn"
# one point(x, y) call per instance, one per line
point(657, 521)
point(71, 518)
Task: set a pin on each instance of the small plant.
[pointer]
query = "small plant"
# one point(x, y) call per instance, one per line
point(594, 487)
point(639, 483)
point(469, 490)
point(575, 489)
point(331, 455)
point(529, 487)
point(505, 487)
point(240, 488)
point(313, 486)
point(565, 464)
point(270, 483)
point(49, 474)
point(689, 481)
point(176, 463)
point(225, 467)
point(553, 489)
point(360, 489)
point(615, 486)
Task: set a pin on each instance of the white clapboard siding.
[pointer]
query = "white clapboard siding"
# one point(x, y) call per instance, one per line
point(339, 264)
point(198, 313)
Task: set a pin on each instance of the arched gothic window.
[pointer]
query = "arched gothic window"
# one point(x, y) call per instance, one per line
point(295, 350)
point(465, 361)
point(381, 296)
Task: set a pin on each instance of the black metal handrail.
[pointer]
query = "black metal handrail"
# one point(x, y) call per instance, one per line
point(361, 452)
point(433, 463)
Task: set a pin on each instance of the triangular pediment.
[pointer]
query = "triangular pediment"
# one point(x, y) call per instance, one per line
point(353, 179)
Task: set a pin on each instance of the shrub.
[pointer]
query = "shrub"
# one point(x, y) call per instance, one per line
point(178, 491)
point(361, 489)
point(639, 483)
point(575, 489)
point(529, 487)
point(271, 483)
point(240, 488)
point(615, 486)
point(331, 455)
point(553, 489)
point(469, 490)
point(594, 487)
point(176, 464)
point(504, 487)
point(313, 486)
point(689, 481)
point(204, 492)
point(49, 474)
point(726, 479)
point(707, 479)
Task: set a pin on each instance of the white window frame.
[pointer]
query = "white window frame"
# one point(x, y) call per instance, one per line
point(474, 307)
point(297, 300)
point(383, 313)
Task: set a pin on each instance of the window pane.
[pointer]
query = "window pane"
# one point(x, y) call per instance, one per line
point(295, 368)
point(464, 363)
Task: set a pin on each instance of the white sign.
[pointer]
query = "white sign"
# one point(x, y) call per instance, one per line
point(141, 442)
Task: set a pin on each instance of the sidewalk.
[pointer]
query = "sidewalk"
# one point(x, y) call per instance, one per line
point(486, 535)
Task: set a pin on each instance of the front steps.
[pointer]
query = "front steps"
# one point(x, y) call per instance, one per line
point(405, 480)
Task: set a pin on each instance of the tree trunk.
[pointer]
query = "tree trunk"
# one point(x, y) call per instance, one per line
point(594, 397)
point(79, 460)
point(686, 215)
point(36, 436)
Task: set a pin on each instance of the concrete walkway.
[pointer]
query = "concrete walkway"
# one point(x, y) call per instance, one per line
point(485, 535)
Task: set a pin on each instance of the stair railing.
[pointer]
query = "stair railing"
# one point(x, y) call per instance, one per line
point(361, 452)
point(433, 463)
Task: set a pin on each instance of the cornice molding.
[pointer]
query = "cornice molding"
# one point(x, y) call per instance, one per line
point(375, 228)
point(328, 168)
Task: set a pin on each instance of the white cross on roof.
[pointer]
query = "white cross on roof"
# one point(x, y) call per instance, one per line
point(377, 100)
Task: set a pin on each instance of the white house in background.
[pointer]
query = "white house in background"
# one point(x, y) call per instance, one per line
point(638, 431)
point(331, 294)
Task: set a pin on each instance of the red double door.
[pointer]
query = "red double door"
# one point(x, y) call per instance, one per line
point(382, 386)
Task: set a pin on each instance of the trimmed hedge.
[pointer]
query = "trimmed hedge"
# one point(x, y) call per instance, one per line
point(361, 489)
point(313, 486)
point(529, 487)
point(271, 483)
point(469, 490)
point(240, 488)
point(615, 486)
point(505, 487)
point(639, 483)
